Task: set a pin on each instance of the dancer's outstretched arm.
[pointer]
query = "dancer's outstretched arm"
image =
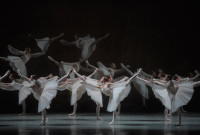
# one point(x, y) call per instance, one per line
point(100, 39)
point(5, 75)
point(197, 75)
point(14, 50)
point(93, 73)
point(61, 79)
point(89, 65)
point(54, 61)
point(56, 38)
point(67, 43)
point(23, 77)
point(80, 76)
point(4, 59)
point(124, 67)
point(136, 74)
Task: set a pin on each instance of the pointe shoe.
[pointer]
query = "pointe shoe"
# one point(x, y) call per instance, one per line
point(21, 114)
point(112, 123)
point(43, 124)
point(72, 114)
point(99, 118)
point(118, 113)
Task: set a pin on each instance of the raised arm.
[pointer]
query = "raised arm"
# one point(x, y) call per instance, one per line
point(124, 67)
point(197, 75)
point(14, 50)
point(61, 79)
point(23, 77)
point(136, 74)
point(89, 65)
point(67, 43)
point(100, 39)
point(93, 73)
point(80, 76)
point(54, 61)
point(56, 38)
point(5, 75)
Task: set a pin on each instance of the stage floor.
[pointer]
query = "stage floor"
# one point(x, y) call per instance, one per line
point(86, 124)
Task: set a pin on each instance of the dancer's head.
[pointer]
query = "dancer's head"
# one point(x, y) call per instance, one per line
point(191, 75)
point(12, 77)
point(167, 78)
point(153, 74)
point(110, 79)
point(175, 77)
point(28, 50)
point(33, 77)
point(112, 65)
point(50, 76)
point(161, 75)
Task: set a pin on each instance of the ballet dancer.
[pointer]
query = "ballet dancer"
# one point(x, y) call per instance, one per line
point(93, 92)
point(44, 90)
point(87, 44)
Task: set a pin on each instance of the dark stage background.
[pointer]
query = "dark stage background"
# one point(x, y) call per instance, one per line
point(142, 34)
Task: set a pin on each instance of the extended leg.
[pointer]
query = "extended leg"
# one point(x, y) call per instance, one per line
point(179, 117)
point(74, 110)
point(118, 109)
point(114, 117)
point(23, 108)
point(98, 112)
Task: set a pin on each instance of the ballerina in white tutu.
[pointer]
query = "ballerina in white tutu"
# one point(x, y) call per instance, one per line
point(76, 88)
point(19, 62)
point(44, 90)
point(173, 94)
point(93, 92)
point(65, 67)
point(17, 84)
point(87, 44)
point(116, 91)
point(140, 85)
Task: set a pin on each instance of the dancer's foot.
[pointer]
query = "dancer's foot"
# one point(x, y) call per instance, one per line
point(118, 113)
point(22, 114)
point(43, 124)
point(112, 123)
point(178, 124)
point(46, 120)
point(72, 114)
point(99, 118)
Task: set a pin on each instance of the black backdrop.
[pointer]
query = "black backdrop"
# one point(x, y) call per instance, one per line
point(142, 34)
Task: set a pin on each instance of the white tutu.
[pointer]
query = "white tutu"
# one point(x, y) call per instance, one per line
point(41, 43)
point(119, 92)
point(24, 92)
point(77, 91)
point(183, 95)
point(161, 93)
point(18, 64)
point(141, 88)
point(48, 93)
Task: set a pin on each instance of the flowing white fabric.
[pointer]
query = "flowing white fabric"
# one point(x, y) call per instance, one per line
point(18, 64)
point(42, 43)
point(48, 93)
